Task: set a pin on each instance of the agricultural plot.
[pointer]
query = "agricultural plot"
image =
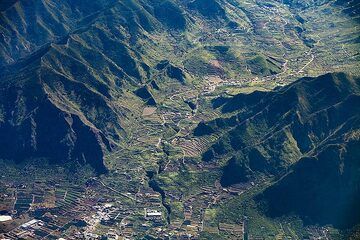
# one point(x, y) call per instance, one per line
point(153, 158)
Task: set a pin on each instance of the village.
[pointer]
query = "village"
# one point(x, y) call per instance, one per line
point(123, 204)
point(96, 212)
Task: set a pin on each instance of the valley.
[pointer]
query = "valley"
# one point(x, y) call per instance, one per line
point(178, 119)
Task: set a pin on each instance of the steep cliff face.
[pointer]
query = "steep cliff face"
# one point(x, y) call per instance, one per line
point(268, 132)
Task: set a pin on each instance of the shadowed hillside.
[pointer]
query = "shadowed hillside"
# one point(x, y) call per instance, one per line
point(65, 67)
point(322, 188)
point(210, 9)
point(268, 132)
point(179, 119)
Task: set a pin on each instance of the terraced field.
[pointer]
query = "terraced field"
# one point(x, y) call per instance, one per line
point(181, 99)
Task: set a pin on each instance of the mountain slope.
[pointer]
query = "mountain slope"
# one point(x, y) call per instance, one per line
point(88, 60)
point(28, 25)
point(210, 9)
point(66, 75)
point(306, 137)
point(268, 132)
point(39, 121)
point(322, 188)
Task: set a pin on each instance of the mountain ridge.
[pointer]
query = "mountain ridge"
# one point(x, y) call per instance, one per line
point(277, 133)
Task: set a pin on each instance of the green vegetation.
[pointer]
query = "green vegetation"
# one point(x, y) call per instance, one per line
point(187, 182)
point(226, 117)
point(261, 65)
